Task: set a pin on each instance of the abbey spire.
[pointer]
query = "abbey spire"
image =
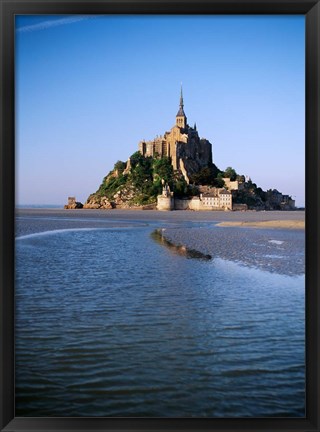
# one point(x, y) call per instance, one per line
point(188, 152)
point(181, 119)
point(181, 99)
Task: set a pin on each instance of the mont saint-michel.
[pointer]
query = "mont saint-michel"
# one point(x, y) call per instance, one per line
point(175, 171)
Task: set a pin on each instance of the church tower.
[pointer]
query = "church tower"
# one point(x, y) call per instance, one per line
point(181, 119)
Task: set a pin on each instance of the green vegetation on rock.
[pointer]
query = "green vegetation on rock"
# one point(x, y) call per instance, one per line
point(139, 182)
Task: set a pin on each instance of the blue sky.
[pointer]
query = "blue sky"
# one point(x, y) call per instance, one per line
point(89, 88)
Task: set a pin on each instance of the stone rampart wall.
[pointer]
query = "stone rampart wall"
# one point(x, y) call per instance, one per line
point(181, 204)
point(165, 203)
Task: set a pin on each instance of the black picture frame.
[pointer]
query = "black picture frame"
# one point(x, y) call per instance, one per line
point(311, 10)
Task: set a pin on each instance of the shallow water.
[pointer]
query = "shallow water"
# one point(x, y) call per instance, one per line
point(111, 323)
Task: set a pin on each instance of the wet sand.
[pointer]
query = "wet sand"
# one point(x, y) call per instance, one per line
point(188, 215)
point(279, 251)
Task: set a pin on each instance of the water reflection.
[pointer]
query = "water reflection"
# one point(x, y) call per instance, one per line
point(182, 250)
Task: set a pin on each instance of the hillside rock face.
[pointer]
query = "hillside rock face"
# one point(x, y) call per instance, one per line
point(96, 202)
point(121, 198)
point(194, 155)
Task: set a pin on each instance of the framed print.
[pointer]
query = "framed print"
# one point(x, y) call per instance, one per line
point(159, 215)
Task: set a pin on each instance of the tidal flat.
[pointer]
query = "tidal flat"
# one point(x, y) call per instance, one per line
point(272, 241)
point(111, 321)
point(36, 218)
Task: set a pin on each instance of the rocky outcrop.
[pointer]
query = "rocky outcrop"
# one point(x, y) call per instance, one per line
point(123, 197)
point(96, 202)
point(74, 205)
point(128, 167)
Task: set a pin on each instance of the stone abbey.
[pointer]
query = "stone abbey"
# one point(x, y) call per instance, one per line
point(189, 153)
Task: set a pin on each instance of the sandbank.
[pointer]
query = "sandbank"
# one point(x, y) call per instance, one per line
point(288, 224)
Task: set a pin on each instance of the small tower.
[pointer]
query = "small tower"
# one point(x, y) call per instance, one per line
point(181, 119)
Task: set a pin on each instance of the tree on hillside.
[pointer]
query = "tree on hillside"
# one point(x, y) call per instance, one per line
point(180, 188)
point(219, 182)
point(141, 172)
point(230, 173)
point(120, 166)
point(136, 158)
point(205, 176)
point(163, 170)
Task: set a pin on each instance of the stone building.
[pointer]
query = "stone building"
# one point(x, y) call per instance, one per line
point(189, 153)
point(232, 185)
point(213, 199)
point(217, 199)
point(287, 203)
